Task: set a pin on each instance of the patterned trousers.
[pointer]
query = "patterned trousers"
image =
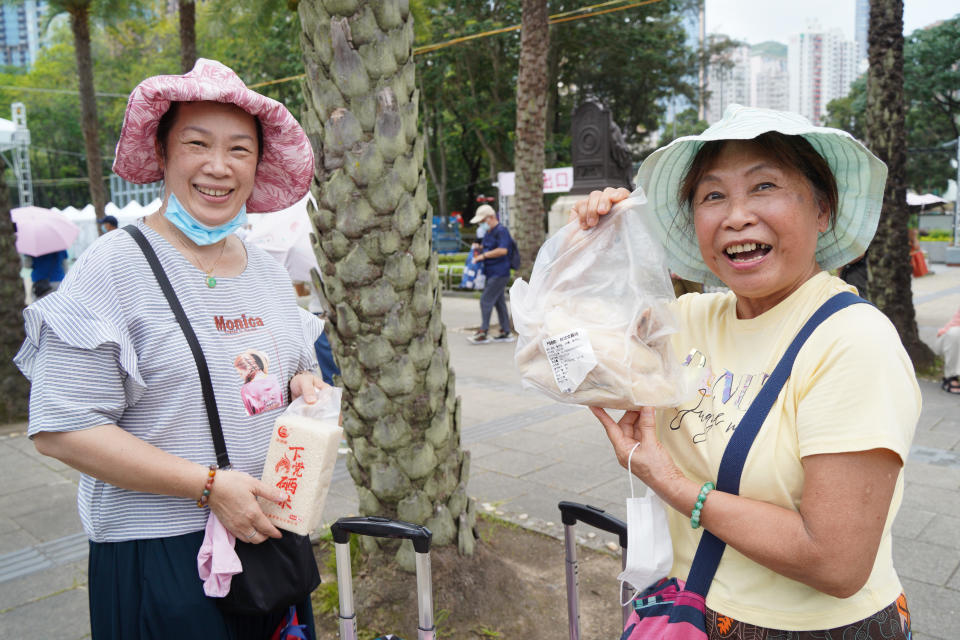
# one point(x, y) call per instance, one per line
point(890, 623)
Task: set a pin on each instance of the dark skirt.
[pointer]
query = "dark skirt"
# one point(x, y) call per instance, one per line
point(150, 589)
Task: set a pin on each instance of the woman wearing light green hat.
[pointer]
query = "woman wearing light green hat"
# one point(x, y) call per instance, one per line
point(765, 203)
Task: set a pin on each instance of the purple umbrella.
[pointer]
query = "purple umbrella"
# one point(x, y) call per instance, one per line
point(41, 231)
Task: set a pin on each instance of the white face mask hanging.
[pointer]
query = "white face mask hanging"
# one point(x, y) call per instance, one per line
point(649, 547)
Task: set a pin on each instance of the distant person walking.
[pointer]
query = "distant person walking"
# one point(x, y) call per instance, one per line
point(107, 224)
point(47, 271)
point(493, 252)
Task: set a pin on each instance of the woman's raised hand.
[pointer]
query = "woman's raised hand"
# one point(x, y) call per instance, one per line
point(588, 211)
point(234, 501)
point(650, 462)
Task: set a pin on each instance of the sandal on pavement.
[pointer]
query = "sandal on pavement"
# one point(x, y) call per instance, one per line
point(951, 384)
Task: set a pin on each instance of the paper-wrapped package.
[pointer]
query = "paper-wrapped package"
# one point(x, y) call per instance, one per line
point(300, 460)
point(594, 321)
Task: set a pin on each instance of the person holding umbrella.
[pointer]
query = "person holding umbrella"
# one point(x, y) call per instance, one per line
point(43, 236)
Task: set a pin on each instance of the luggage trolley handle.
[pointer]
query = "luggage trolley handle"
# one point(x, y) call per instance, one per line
point(570, 514)
point(378, 527)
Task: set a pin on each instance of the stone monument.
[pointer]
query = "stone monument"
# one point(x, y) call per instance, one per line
point(601, 159)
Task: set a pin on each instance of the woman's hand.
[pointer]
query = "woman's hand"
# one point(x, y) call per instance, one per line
point(588, 211)
point(234, 501)
point(650, 462)
point(306, 384)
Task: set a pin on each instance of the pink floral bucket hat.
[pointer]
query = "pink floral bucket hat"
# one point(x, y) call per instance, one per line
point(286, 166)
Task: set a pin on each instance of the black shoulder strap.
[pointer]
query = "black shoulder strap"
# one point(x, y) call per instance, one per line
point(206, 385)
point(707, 558)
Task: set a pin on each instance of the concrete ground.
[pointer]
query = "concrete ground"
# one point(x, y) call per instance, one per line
point(528, 453)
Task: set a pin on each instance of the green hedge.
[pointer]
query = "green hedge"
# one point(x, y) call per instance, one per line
point(937, 235)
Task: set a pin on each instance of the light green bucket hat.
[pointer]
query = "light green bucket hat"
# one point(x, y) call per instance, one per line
point(860, 179)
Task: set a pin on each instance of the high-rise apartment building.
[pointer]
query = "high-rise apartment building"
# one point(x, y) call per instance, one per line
point(754, 76)
point(20, 24)
point(769, 82)
point(728, 82)
point(821, 67)
point(861, 27)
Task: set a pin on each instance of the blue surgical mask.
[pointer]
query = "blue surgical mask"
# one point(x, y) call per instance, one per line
point(482, 229)
point(201, 234)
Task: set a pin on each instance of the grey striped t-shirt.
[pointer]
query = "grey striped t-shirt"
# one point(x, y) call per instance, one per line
point(106, 349)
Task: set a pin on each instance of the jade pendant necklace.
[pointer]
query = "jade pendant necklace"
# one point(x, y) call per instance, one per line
point(210, 279)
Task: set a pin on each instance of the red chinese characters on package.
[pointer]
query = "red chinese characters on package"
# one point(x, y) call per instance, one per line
point(300, 461)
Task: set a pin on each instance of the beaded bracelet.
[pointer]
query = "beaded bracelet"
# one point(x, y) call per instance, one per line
point(205, 496)
point(695, 516)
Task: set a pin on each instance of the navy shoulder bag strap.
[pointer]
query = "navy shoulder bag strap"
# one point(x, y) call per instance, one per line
point(707, 558)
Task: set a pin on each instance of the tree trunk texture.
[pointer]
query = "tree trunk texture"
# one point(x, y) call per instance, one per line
point(188, 34)
point(80, 25)
point(531, 131)
point(889, 257)
point(14, 388)
point(378, 273)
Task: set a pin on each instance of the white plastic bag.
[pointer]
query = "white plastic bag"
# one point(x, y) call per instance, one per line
point(594, 321)
point(300, 460)
point(649, 545)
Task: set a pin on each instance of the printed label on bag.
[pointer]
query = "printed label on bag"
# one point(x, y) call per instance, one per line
point(571, 358)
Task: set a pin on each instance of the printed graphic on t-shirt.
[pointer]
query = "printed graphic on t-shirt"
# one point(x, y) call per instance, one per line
point(721, 399)
point(261, 390)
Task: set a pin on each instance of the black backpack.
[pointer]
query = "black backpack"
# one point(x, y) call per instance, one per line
point(514, 254)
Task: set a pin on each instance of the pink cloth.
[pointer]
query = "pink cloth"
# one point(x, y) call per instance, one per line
point(217, 561)
point(286, 167)
point(954, 322)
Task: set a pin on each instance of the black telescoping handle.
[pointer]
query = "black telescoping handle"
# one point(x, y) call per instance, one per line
point(382, 528)
point(573, 512)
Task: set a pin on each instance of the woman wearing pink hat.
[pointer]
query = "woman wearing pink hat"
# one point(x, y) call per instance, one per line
point(115, 392)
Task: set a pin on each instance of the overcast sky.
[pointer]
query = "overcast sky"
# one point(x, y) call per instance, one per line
point(755, 21)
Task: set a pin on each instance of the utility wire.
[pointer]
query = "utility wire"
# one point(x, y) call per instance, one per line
point(568, 16)
point(98, 94)
point(581, 13)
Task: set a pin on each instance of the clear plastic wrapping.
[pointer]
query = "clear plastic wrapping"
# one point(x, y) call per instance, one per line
point(594, 321)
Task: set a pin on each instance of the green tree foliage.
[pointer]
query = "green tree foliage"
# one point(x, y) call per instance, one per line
point(847, 113)
point(630, 60)
point(468, 95)
point(931, 77)
point(260, 40)
point(685, 123)
point(931, 86)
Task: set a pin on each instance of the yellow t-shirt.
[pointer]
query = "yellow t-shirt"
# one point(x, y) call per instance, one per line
point(852, 389)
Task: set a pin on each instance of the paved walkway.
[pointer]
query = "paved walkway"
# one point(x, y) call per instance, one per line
point(527, 454)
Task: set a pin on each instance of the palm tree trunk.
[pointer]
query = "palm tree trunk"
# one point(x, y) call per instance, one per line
point(531, 131)
point(188, 34)
point(378, 273)
point(80, 25)
point(889, 258)
point(14, 388)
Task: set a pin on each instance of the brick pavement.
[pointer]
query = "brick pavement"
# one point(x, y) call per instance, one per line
point(527, 454)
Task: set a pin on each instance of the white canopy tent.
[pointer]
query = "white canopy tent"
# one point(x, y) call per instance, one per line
point(283, 234)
